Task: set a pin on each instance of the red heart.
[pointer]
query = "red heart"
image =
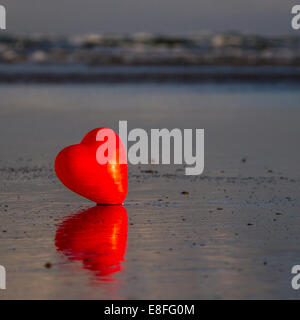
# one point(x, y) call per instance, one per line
point(78, 169)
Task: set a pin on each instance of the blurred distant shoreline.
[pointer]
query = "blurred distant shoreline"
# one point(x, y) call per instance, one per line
point(30, 73)
point(147, 57)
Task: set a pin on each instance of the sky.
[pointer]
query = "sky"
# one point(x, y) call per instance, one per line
point(159, 16)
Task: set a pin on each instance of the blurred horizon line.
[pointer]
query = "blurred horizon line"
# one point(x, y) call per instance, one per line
point(188, 34)
point(204, 48)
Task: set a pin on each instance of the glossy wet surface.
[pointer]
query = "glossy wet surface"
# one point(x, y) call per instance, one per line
point(233, 232)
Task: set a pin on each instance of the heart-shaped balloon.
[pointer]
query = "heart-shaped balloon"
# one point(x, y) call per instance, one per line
point(79, 169)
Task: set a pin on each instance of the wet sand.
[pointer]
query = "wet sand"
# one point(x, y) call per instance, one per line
point(232, 232)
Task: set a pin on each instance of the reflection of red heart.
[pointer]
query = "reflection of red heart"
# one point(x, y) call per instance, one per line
point(97, 237)
point(78, 169)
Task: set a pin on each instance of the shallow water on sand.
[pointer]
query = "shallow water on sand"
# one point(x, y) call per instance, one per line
point(235, 234)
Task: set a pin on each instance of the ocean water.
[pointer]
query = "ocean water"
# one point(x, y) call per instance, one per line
point(258, 121)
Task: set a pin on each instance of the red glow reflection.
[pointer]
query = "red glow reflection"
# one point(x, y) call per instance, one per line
point(97, 237)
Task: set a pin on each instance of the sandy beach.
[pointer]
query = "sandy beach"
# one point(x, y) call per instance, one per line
point(232, 232)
